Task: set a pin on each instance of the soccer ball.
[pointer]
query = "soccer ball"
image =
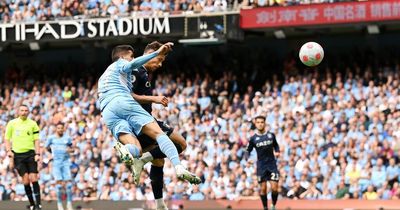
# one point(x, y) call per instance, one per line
point(311, 54)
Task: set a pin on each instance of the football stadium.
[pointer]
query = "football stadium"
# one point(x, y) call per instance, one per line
point(199, 104)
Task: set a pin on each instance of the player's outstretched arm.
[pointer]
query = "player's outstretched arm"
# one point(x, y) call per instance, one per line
point(143, 99)
point(139, 61)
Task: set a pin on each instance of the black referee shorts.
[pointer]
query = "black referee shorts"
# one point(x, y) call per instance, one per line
point(25, 162)
point(145, 141)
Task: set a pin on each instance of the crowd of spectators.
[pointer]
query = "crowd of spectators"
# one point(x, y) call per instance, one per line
point(339, 135)
point(40, 10)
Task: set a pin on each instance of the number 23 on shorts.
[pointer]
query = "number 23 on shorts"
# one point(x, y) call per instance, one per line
point(274, 176)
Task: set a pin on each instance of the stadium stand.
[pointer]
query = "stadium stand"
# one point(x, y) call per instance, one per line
point(36, 10)
point(339, 131)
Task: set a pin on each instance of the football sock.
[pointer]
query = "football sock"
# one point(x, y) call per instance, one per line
point(274, 197)
point(28, 192)
point(156, 177)
point(158, 154)
point(168, 148)
point(264, 200)
point(36, 191)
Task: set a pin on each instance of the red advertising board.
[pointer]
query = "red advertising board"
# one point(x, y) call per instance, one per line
point(320, 14)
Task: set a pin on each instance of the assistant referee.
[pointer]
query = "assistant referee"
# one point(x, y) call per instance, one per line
point(22, 145)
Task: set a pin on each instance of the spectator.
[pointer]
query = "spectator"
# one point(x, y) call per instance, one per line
point(378, 174)
point(196, 194)
point(392, 172)
point(370, 194)
point(342, 191)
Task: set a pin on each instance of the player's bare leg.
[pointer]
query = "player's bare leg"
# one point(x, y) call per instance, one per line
point(167, 147)
point(178, 139)
point(274, 194)
point(263, 195)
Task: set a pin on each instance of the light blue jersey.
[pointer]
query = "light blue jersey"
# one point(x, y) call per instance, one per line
point(59, 146)
point(121, 113)
point(117, 79)
point(61, 159)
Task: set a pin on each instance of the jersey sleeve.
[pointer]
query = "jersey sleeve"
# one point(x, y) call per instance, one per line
point(48, 142)
point(137, 62)
point(35, 130)
point(9, 131)
point(250, 146)
point(276, 145)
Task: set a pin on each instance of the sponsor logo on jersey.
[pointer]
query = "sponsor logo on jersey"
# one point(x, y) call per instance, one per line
point(264, 143)
point(148, 84)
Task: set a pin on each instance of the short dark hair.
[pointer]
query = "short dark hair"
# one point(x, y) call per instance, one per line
point(152, 46)
point(24, 105)
point(60, 123)
point(118, 50)
point(260, 117)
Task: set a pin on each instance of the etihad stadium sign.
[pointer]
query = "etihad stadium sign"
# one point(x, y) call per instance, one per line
point(72, 29)
point(102, 28)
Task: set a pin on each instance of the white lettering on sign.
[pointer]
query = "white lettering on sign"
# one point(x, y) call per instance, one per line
point(266, 17)
point(360, 12)
point(142, 29)
point(161, 27)
point(349, 12)
point(287, 15)
point(339, 12)
point(124, 31)
point(47, 29)
point(70, 23)
point(309, 14)
point(329, 13)
point(376, 10)
point(24, 30)
point(92, 29)
point(3, 28)
point(396, 9)
point(111, 29)
point(386, 10)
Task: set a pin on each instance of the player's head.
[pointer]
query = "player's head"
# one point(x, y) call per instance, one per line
point(60, 128)
point(122, 51)
point(156, 62)
point(259, 121)
point(23, 112)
